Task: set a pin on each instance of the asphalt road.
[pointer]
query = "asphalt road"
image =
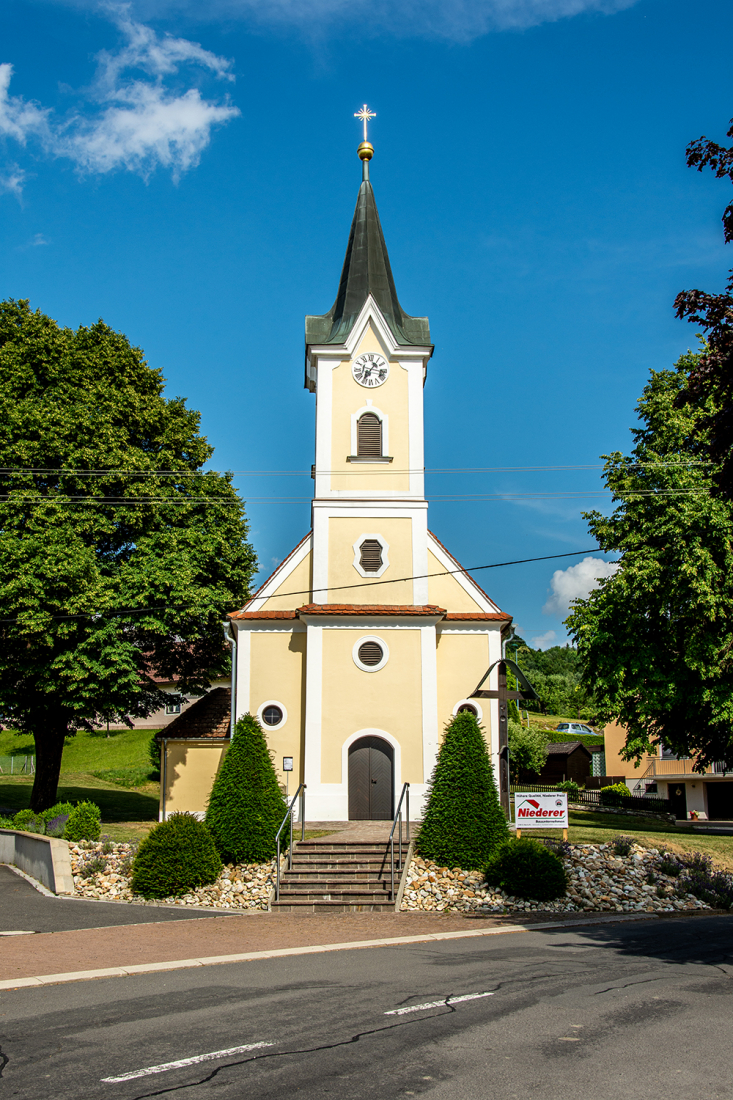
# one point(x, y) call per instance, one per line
point(23, 908)
point(626, 1010)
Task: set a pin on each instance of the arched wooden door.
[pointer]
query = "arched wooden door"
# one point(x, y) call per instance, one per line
point(371, 766)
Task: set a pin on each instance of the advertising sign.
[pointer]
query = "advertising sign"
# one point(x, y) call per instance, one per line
point(548, 810)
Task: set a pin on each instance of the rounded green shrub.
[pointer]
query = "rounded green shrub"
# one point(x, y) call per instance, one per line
point(246, 805)
point(524, 868)
point(570, 787)
point(614, 795)
point(28, 821)
point(58, 808)
point(176, 856)
point(84, 822)
point(463, 822)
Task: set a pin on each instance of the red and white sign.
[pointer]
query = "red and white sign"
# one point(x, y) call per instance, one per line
point(541, 811)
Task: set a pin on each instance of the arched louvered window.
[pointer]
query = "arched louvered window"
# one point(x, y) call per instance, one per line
point(370, 556)
point(369, 436)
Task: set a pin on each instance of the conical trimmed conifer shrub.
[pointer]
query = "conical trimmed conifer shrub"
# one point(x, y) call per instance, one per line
point(245, 805)
point(463, 822)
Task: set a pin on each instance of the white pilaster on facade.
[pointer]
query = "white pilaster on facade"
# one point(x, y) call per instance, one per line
point(244, 649)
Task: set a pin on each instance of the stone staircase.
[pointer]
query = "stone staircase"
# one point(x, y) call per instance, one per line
point(335, 876)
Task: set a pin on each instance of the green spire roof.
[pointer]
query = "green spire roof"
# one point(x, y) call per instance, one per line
point(366, 271)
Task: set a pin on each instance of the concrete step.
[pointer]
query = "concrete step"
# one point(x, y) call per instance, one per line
point(304, 906)
point(337, 897)
point(327, 886)
point(300, 874)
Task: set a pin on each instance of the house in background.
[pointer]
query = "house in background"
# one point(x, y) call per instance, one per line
point(707, 795)
point(167, 714)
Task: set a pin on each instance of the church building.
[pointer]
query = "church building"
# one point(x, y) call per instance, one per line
point(368, 637)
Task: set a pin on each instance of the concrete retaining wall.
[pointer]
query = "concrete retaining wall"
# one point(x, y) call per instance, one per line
point(44, 858)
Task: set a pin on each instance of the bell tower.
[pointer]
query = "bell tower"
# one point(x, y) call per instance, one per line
point(366, 362)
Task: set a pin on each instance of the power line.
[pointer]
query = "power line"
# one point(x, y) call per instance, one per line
point(8, 471)
point(232, 502)
point(337, 588)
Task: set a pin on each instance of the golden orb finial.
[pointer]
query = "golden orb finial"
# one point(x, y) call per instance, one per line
point(365, 151)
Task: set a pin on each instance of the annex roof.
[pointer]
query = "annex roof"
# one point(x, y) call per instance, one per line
point(208, 717)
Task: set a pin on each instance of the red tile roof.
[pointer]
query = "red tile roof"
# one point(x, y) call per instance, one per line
point(480, 616)
point(263, 614)
point(208, 717)
point(369, 609)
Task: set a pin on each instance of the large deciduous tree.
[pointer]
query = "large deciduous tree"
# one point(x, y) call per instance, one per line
point(656, 639)
point(119, 554)
point(712, 375)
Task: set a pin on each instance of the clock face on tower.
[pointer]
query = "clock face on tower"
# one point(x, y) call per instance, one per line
point(370, 369)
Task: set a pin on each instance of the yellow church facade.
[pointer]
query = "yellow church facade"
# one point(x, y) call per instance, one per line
point(368, 637)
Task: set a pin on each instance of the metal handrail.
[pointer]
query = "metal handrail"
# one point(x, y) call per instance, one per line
point(289, 814)
point(398, 817)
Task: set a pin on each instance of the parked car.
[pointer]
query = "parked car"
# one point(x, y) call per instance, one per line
point(572, 728)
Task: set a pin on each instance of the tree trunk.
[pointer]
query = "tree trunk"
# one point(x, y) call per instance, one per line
point(49, 750)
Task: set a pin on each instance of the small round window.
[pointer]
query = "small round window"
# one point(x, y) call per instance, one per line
point(272, 715)
point(370, 653)
point(467, 708)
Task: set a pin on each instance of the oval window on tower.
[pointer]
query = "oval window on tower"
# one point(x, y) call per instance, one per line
point(370, 653)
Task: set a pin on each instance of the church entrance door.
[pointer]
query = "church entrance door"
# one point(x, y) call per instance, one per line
point(371, 765)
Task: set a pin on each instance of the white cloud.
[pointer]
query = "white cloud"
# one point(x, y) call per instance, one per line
point(145, 129)
point(12, 180)
point(38, 240)
point(19, 118)
point(136, 122)
point(456, 20)
point(545, 641)
point(576, 582)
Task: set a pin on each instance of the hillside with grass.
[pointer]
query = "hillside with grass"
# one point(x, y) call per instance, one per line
point(114, 771)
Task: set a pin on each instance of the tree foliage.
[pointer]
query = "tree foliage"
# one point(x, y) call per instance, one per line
point(246, 805)
point(528, 749)
point(119, 555)
point(556, 676)
point(656, 639)
point(712, 376)
point(463, 822)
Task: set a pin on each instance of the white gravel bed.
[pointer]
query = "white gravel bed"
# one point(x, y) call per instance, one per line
point(239, 886)
point(598, 880)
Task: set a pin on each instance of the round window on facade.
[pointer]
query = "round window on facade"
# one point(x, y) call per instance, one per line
point(370, 653)
point(272, 715)
point(468, 708)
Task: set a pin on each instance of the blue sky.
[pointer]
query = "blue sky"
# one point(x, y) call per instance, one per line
point(192, 182)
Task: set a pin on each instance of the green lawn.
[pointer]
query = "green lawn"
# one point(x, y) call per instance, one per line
point(120, 786)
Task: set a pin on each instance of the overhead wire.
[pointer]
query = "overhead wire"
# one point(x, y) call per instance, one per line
point(330, 588)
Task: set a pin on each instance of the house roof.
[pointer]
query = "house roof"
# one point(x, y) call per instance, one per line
point(565, 748)
point(366, 272)
point(479, 616)
point(208, 717)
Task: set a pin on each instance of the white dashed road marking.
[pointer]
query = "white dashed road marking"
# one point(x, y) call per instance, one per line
point(438, 1004)
point(165, 1066)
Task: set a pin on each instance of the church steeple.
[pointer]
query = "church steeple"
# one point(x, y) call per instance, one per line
point(366, 272)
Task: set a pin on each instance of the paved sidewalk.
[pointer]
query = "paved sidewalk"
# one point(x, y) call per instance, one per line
point(96, 948)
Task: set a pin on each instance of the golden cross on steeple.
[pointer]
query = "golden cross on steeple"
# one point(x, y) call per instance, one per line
point(365, 115)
